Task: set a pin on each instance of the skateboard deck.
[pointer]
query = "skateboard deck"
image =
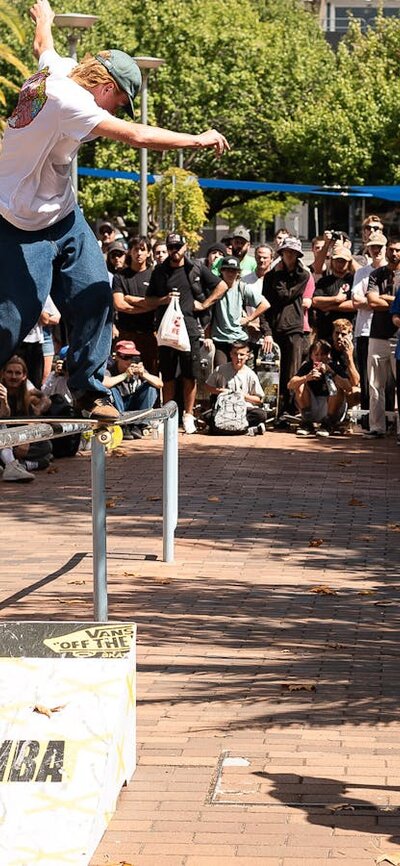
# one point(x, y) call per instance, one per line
point(206, 368)
point(268, 371)
point(107, 432)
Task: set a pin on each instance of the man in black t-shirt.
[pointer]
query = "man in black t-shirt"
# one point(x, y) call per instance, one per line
point(192, 281)
point(332, 296)
point(135, 314)
point(381, 364)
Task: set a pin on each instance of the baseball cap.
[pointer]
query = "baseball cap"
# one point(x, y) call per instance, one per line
point(241, 232)
point(106, 227)
point(377, 239)
point(116, 245)
point(293, 244)
point(125, 72)
point(217, 248)
point(341, 252)
point(175, 238)
point(126, 347)
point(230, 263)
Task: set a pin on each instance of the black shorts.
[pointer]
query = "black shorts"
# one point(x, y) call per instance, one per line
point(189, 362)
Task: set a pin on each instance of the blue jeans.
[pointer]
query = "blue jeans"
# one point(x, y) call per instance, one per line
point(64, 259)
point(143, 398)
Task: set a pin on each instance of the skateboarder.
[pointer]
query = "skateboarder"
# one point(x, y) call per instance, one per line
point(45, 242)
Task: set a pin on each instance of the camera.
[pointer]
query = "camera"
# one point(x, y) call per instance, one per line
point(336, 236)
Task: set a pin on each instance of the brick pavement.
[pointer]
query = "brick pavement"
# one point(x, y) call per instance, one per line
point(238, 765)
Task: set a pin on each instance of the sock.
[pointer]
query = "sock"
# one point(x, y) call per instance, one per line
point(7, 456)
point(30, 465)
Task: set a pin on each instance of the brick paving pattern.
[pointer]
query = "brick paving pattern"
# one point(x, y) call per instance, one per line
point(268, 673)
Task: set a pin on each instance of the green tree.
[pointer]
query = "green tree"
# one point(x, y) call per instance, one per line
point(256, 212)
point(177, 202)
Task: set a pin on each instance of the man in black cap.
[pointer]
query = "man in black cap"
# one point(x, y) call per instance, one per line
point(45, 242)
point(193, 281)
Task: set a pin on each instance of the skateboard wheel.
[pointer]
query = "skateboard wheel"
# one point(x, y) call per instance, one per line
point(105, 437)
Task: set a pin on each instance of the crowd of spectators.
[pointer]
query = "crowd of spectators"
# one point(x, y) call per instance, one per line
point(335, 323)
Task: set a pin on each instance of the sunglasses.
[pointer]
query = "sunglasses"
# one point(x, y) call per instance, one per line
point(373, 227)
point(128, 357)
point(116, 254)
point(174, 247)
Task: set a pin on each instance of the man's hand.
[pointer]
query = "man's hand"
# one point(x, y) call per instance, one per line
point(3, 394)
point(138, 370)
point(198, 306)
point(268, 343)
point(43, 16)
point(213, 138)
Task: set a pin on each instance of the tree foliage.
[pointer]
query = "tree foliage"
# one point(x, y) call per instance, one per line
point(177, 203)
point(10, 64)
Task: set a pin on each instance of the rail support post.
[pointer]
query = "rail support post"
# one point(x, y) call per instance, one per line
point(170, 485)
point(99, 530)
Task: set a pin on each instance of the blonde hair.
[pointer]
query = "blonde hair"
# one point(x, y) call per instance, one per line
point(343, 325)
point(89, 72)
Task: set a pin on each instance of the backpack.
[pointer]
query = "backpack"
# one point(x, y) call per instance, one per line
point(230, 413)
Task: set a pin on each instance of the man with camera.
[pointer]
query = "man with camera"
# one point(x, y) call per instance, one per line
point(132, 387)
point(323, 386)
point(332, 297)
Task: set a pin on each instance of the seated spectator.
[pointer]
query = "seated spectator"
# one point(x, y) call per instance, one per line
point(324, 385)
point(332, 297)
point(19, 399)
point(57, 381)
point(236, 376)
point(132, 387)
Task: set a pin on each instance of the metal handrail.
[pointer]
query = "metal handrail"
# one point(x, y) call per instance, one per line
point(168, 414)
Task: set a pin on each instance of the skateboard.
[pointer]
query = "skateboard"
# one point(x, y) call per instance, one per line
point(107, 432)
point(206, 368)
point(268, 371)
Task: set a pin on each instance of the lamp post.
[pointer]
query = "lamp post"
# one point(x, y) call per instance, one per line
point(145, 64)
point(75, 24)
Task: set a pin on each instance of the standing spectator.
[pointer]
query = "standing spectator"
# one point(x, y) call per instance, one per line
point(263, 257)
point(160, 252)
point(240, 249)
point(332, 296)
point(230, 315)
point(192, 281)
point(135, 314)
point(395, 310)
point(279, 236)
point(376, 252)
point(31, 348)
point(227, 242)
point(108, 235)
point(284, 289)
point(214, 254)
point(115, 259)
point(382, 287)
point(370, 225)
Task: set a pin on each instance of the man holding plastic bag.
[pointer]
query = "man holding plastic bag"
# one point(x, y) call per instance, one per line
point(178, 333)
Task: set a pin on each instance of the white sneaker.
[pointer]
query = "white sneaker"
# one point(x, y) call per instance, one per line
point(15, 472)
point(188, 422)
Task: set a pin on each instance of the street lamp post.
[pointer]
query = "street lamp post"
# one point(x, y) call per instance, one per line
point(75, 24)
point(145, 64)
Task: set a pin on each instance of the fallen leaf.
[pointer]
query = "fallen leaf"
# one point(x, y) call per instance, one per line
point(341, 807)
point(153, 498)
point(299, 515)
point(130, 574)
point(315, 542)
point(395, 527)
point(394, 859)
point(299, 687)
point(111, 503)
point(163, 580)
point(336, 646)
point(366, 592)
point(354, 501)
point(77, 582)
point(69, 600)
point(269, 514)
point(323, 590)
point(58, 709)
point(52, 470)
point(213, 498)
point(44, 711)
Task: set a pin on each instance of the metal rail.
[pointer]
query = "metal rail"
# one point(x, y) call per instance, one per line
point(168, 414)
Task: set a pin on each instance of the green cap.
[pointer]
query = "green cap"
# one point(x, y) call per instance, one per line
point(125, 72)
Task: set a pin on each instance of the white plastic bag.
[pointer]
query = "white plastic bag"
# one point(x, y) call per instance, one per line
point(172, 331)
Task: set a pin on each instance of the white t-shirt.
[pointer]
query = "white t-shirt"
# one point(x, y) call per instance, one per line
point(53, 116)
point(359, 289)
point(244, 380)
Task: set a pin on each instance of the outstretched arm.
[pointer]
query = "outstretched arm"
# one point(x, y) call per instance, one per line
point(139, 135)
point(43, 16)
